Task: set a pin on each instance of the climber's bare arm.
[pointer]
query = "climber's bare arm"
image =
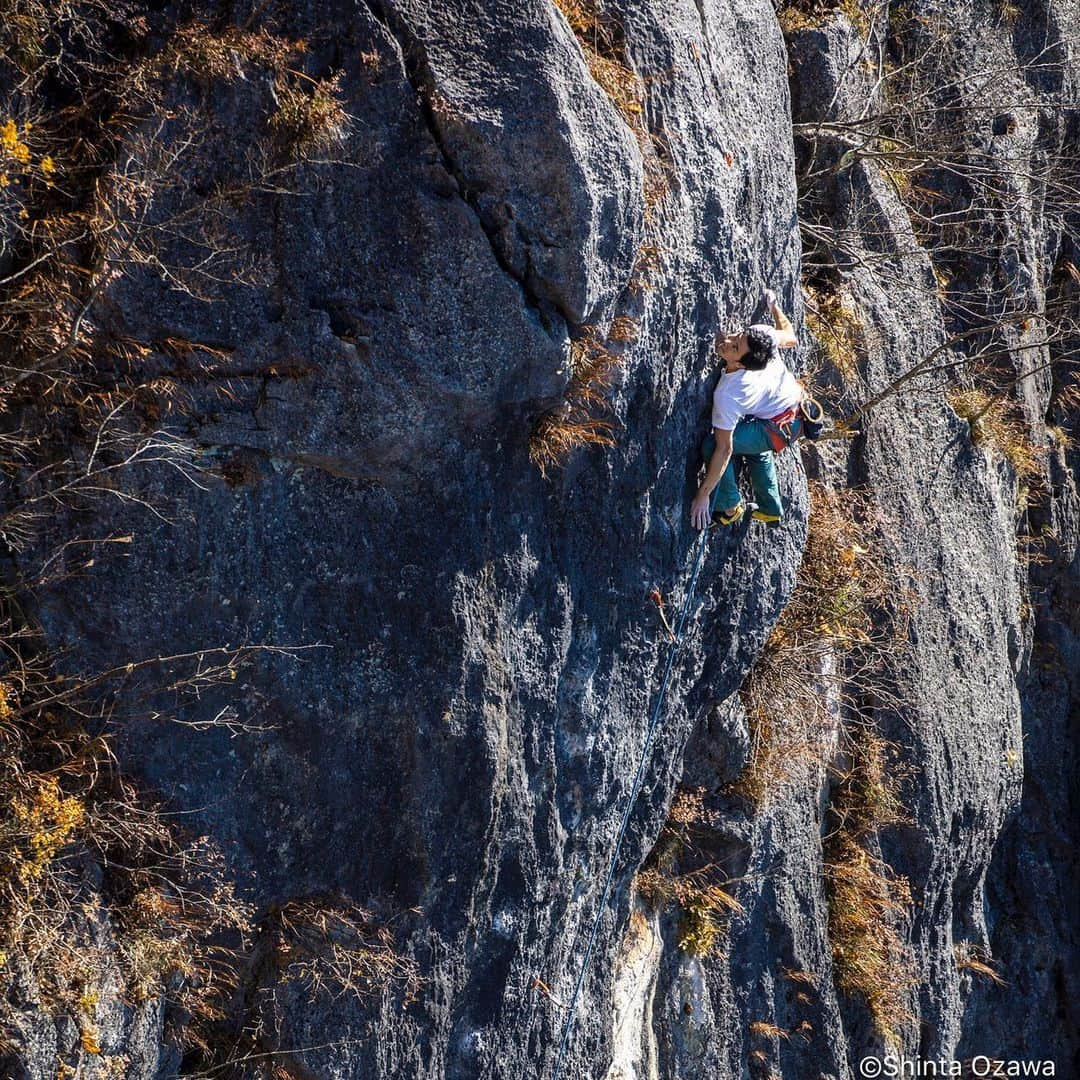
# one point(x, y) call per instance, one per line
point(699, 508)
point(787, 338)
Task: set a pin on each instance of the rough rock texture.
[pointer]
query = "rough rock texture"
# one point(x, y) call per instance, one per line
point(463, 741)
point(974, 707)
point(131, 1036)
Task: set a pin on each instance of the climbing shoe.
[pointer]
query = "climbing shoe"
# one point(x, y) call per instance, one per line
point(722, 517)
point(772, 520)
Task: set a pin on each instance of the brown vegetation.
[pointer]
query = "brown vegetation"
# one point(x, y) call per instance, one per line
point(831, 646)
point(702, 892)
point(832, 650)
point(602, 42)
point(974, 959)
point(64, 807)
point(594, 363)
point(310, 117)
point(995, 424)
point(333, 946)
point(867, 901)
point(808, 14)
point(96, 879)
point(833, 319)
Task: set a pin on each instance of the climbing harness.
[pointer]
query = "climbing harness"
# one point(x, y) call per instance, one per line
point(635, 789)
point(779, 429)
point(810, 416)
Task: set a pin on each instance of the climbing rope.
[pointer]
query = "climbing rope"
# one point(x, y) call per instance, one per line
point(635, 788)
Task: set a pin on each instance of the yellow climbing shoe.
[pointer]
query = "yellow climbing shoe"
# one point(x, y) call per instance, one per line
point(722, 517)
point(772, 520)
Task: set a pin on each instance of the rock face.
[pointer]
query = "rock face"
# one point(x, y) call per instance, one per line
point(459, 745)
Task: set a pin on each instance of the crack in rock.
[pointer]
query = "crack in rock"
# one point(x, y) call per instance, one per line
point(421, 78)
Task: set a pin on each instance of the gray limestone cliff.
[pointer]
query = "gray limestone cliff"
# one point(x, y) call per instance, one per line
point(457, 747)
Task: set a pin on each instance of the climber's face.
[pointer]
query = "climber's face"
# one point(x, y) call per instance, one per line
point(732, 348)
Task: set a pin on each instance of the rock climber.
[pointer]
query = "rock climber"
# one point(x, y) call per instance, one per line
point(756, 411)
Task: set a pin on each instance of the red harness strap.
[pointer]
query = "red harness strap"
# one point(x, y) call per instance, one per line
point(779, 428)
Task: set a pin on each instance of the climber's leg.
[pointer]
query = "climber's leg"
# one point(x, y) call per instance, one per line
point(751, 441)
point(766, 488)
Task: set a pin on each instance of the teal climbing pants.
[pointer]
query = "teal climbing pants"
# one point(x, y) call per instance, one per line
point(750, 440)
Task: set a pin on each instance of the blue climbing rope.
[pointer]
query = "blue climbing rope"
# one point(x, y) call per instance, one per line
point(634, 791)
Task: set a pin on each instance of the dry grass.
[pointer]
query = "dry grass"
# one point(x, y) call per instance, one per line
point(555, 438)
point(648, 263)
point(624, 329)
point(845, 620)
point(705, 906)
point(603, 45)
point(334, 947)
point(834, 321)
point(867, 901)
point(594, 363)
point(760, 1029)
point(810, 14)
point(310, 117)
point(943, 280)
point(996, 426)
point(701, 892)
point(972, 958)
point(793, 18)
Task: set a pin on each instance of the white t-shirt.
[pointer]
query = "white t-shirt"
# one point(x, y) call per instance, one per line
point(761, 394)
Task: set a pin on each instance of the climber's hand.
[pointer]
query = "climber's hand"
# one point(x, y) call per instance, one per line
point(699, 511)
point(770, 298)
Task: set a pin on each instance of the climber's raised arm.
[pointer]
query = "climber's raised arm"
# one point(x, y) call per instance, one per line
point(786, 338)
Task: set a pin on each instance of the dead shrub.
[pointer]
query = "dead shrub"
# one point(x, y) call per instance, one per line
point(209, 53)
point(594, 364)
point(701, 891)
point(310, 117)
point(94, 878)
point(334, 946)
point(63, 808)
point(845, 621)
point(996, 426)
point(834, 321)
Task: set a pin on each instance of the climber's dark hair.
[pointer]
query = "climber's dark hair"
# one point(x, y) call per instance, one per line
point(759, 349)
